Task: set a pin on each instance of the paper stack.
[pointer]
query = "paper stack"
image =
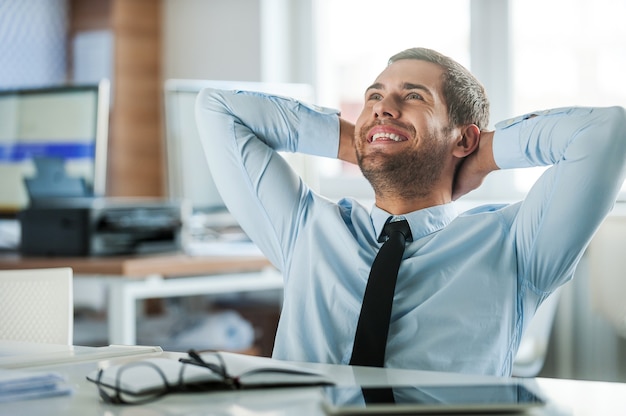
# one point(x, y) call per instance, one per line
point(26, 385)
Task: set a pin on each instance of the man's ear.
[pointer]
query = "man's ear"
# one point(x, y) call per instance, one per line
point(467, 141)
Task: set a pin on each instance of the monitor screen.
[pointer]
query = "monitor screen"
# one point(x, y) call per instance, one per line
point(67, 124)
point(188, 175)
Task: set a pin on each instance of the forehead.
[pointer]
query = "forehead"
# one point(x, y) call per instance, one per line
point(412, 71)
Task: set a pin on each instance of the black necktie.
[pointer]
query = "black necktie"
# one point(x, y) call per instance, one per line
point(370, 339)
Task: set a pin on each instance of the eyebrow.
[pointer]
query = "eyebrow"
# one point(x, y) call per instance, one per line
point(405, 86)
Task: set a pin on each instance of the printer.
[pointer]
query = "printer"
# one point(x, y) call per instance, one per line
point(98, 226)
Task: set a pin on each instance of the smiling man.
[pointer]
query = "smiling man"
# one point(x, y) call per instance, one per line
point(406, 115)
point(468, 283)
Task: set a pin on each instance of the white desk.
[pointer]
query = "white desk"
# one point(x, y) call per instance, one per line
point(566, 397)
point(20, 355)
point(158, 276)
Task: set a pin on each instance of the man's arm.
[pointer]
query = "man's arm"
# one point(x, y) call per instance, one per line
point(586, 151)
point(241, 133)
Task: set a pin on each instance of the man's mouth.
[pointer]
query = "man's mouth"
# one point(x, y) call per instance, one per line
point(387, 137)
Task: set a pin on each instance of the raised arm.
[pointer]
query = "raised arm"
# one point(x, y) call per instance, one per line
point(586, 148)
point(241, 133)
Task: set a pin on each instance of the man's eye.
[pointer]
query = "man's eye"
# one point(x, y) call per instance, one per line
point(375, 96)
point(414, 96)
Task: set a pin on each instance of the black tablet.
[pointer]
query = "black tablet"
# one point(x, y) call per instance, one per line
point(483, 398)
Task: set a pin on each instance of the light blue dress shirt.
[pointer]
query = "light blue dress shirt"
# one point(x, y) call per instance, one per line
point(468, 284)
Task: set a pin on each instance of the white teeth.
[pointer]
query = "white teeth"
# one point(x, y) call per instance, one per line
point(390, 136)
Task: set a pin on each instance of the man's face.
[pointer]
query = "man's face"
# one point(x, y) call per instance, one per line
point(401, 137)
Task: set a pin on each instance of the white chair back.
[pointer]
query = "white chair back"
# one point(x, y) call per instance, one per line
point(36, 305)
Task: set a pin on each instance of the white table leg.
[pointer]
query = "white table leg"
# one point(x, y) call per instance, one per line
point(122, 313)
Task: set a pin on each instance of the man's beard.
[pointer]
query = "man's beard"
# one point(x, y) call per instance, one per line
point(408, 174)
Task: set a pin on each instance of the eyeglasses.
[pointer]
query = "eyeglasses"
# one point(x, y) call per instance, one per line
point(116, 389)
point(118, 394)
point(219, 369)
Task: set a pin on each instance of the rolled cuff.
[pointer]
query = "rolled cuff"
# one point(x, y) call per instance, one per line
point(320, 126)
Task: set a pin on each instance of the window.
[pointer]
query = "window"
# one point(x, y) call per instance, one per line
point(566, 52)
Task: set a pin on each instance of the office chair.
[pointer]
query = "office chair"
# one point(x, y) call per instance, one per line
point(607, 280)
point(36, 305)
point(533, 348)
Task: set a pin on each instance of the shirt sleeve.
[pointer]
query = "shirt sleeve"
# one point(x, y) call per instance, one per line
point(586, 151)
point(241, 133)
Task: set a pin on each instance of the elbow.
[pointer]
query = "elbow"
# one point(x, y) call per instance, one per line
point(612, 131)
point(210, 100)
point(615, 122)
point(212, 115)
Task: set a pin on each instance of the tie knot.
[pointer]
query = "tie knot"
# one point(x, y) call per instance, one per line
point(401, 226)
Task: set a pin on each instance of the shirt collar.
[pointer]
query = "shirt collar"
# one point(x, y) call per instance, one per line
point(422, 222)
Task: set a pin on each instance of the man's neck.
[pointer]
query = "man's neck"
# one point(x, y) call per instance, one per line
point(397, 205)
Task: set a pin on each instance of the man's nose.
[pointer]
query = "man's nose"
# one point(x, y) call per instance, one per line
point(387, 107)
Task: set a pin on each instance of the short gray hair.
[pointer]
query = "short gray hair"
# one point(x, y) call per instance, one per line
point(465, 96)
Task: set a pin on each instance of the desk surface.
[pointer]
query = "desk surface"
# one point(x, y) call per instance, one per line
point(20, 355)
point(165, 265)
point(565, 397)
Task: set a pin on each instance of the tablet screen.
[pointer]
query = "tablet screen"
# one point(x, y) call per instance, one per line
point(443, 398)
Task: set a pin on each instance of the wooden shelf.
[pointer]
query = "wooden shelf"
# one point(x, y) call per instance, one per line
point(165, 265)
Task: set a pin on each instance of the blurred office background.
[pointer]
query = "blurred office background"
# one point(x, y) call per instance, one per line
point(530, 54)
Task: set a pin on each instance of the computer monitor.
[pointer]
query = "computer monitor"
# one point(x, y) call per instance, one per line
point(189, 178)
point(66, 124)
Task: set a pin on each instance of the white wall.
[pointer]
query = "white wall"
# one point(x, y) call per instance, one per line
point(212, 39)
point(239, 40)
